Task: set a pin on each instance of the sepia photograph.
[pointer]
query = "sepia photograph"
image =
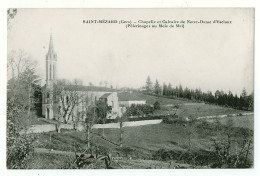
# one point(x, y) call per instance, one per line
point(165, 88)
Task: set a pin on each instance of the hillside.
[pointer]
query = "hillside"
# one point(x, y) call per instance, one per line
point(144, 141)
point(187, 108)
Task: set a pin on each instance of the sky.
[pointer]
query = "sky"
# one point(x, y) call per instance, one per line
point(207, 56)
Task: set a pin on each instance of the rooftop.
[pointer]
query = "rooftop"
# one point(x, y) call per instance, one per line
point(89, 88)
point(105, 95)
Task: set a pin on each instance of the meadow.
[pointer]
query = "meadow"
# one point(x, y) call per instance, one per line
point(141, 143)
point(186, 108)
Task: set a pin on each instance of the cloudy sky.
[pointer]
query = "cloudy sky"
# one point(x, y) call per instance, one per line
point(209, 56)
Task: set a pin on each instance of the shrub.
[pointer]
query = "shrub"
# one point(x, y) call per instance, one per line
point(19, 147)
point(157, 105)
point(145, 118)
point(174, 119)
point(126, 151)
point(20, 152)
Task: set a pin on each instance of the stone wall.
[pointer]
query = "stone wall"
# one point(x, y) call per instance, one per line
point(81, 126)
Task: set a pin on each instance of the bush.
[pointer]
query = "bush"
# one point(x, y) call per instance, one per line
point(195, 158)
point(139, 110)
point(173, 119)
point(126, 151)
point(19, 147)
point(144, 118)
point(157, 105)
point(20, 152)
point(101, 150)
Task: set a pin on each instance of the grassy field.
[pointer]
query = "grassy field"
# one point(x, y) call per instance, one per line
point(55, 161)
point(239, 121)
point(49, 161)
point(186, 108)
point(163, 101)
point(144, 140)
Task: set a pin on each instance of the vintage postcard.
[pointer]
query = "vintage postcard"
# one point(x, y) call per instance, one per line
point(130, 88)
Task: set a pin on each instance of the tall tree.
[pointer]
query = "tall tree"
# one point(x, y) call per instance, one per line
point(157, 88)
point(165, 89)
point(29, 78)
point(149, 85)
point(23, 80)
point(103, 110)
point(67, 94)
point(20, 99)
point(169, 90)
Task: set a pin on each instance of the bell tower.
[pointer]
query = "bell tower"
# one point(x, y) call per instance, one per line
point(51, 60)
point(51, 76)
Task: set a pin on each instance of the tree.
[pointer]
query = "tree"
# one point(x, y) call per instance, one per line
point(30, 78)
point(123, 118)
point(11, 13)
point(90, 120)
point(67, 95)
point(180, 91)
point(251, 101)
point(18, 62)
point(157, 105)
point(19, 147)
point(169, 91)
point(37, 99)
point(102, 111)
point(149, 85)
point(20, 99)
point(23, 80)
point(157, 88)
point(244, 93)
point(165, 90)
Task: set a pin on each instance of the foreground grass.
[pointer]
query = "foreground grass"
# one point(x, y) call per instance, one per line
point(55, 161)
point(50, 161)
point(145, 140)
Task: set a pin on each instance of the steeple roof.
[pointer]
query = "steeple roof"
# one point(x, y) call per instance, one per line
point(51, 53)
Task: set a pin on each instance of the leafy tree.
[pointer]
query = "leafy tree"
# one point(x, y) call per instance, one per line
point(19, 147)
point(29, 78)
point(23, 82)
point(37, 99)
point(20, 100)
point(103, 110)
